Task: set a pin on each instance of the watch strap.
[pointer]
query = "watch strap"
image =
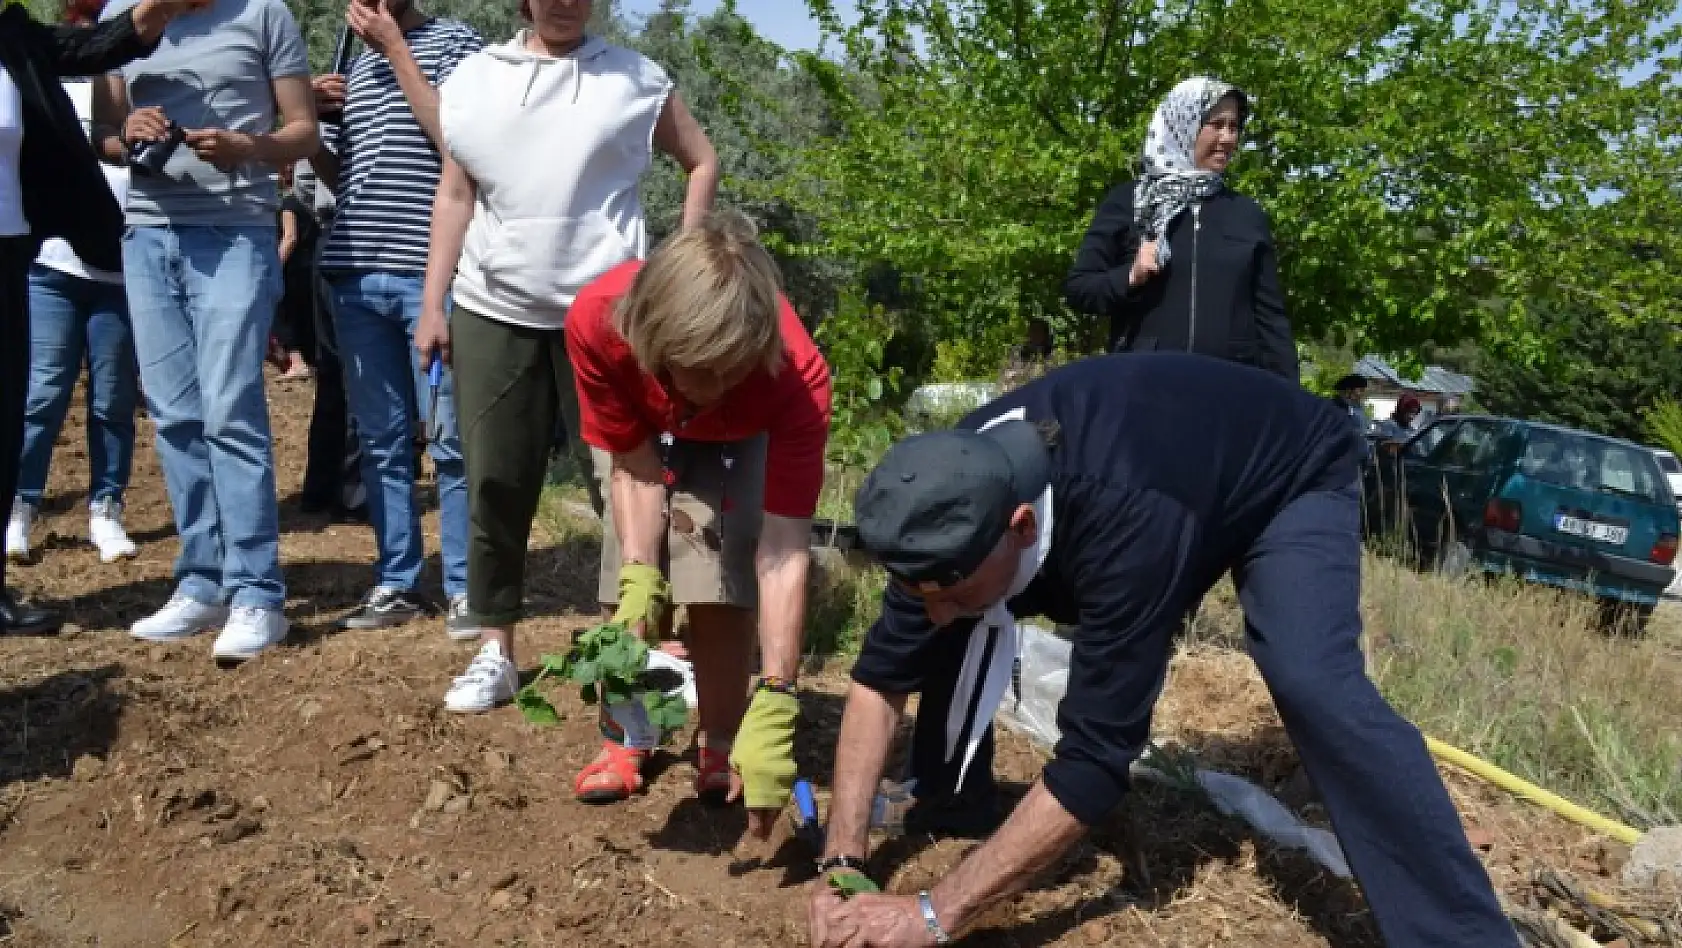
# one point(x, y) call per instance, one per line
point(931, 920)
point(852, 863)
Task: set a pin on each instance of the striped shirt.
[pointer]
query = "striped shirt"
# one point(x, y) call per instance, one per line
point(388, 168)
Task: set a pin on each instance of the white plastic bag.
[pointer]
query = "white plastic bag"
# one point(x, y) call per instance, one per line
point(1030, 706)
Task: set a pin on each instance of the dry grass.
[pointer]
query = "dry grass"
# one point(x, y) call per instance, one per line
point(1525, 677)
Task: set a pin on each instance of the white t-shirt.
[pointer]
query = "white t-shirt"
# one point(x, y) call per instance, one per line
point(12, 221)
point(556, 147)
point(56, 252)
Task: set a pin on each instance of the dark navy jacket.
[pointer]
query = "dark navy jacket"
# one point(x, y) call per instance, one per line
point(1166, 468)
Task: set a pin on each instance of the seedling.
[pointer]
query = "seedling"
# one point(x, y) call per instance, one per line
point(609, 665)
point(849, 884)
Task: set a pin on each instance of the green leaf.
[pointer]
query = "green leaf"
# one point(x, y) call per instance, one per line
point(849, 884)
point(536, 708)
point(669, 713)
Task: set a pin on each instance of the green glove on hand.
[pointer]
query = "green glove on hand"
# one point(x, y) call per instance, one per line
point(644, 596)
point(764, 750)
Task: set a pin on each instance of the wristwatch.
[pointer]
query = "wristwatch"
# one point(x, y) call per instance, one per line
point(852, 863)
point(930, 920)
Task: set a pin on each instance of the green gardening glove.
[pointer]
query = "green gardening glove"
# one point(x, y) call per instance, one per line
point(764, 750)
point(644, 596)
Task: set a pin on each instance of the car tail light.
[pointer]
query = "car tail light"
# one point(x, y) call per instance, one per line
point(1664, 549)
point(1501, 514)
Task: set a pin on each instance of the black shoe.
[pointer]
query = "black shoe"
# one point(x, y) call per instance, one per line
point(384, 608)
point(19, 619)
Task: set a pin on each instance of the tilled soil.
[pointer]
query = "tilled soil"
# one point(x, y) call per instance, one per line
point(321, 796)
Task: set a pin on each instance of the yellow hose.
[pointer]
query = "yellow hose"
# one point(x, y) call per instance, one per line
point(1529, 791)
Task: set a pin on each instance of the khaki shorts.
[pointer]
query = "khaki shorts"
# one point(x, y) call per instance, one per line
point(716, 500)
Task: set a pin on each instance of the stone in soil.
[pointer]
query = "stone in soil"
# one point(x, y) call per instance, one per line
point(1656, 859)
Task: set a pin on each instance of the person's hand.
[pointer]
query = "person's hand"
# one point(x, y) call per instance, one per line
point(329, 93)
point(224, 148)
point(644, 599)
point(1144, 264)
point(374, 25)
point(878, 921)
point(146, 124)
point(151, 16)
point(432, 337)
point(824, 905)
point(762, 769)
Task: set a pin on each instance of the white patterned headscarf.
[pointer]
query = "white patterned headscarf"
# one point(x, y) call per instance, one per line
point(1172, 180)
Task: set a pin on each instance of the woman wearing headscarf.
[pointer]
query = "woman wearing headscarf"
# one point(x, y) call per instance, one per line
point(51, 186)
point(1178, 260)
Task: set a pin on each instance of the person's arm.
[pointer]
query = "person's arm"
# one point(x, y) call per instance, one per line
point(328, 160)
point(110, 104)
point(781, 562)
point(288, 234)
point(452, 211)
point(861, 752)
point(677, 134)
point(1098, 283)
point(110, 44)
point(1273, 328)
point(296, 138)
point(638, 489)
point(375, 25)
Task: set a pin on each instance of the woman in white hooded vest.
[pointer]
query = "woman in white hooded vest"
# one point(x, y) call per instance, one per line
point(547, 137)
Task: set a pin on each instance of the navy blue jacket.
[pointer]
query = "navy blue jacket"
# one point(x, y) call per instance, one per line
point(1166, 468)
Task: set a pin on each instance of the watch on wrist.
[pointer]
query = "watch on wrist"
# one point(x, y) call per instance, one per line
point(930, 920)
point(851, 863)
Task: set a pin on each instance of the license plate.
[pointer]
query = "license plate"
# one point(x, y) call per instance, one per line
point(1593, 530)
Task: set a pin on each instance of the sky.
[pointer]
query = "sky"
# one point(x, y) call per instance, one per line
point(784, 22)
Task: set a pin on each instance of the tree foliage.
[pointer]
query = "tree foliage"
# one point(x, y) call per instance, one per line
point(1596, 375)
point(1418, 159)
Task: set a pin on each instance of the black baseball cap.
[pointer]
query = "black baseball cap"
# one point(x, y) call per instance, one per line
point(937, 504)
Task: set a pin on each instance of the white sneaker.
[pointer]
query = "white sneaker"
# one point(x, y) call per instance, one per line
point(18, 526)
point(105, 529)
point(184, 617)
point(249, 631)
point(491, 679)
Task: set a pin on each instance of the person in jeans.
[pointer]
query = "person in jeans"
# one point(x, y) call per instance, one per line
point(546, 140)
point(78, 311)
point(382, 160)
point(203, 272)
point(50, 186)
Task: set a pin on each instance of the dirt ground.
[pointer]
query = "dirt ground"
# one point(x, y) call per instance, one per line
point(320, 795)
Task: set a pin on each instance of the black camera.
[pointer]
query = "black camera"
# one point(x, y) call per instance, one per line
point(149, 157)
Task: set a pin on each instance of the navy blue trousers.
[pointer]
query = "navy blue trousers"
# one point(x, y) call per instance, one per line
point(1300, 586)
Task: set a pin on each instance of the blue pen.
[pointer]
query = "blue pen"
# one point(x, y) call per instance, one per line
point(435, 377)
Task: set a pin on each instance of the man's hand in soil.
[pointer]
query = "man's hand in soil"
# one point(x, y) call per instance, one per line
point(762, 759)
point(872, 921)
point(644, 599)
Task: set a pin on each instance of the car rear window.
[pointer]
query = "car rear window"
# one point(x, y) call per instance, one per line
point(1587, 463)
point(1669, 464)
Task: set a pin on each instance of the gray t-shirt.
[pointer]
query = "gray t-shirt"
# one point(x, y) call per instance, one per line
point(214, 69)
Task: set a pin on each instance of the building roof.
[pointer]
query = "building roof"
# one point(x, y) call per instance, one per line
point(1435, 379)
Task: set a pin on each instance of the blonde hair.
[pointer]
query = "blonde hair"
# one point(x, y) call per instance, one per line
point(708, 298)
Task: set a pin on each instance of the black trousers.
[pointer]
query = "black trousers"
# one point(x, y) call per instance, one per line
point(15, 256)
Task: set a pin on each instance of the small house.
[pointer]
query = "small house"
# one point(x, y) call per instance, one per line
point(1439, 391)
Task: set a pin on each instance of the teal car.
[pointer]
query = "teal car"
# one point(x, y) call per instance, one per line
point(1551, 505)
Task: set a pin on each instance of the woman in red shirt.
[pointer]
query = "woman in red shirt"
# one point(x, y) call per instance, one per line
point(707, 406)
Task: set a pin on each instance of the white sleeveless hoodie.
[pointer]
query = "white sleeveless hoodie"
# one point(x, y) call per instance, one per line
point(556, 147)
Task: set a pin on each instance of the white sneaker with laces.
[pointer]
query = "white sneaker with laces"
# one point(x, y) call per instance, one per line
point(491, 679)
point(18, 525)
point(105, 529)
point(249, 631)
point(183, 617)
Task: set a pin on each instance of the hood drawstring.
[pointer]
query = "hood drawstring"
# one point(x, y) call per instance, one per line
point(531, 80)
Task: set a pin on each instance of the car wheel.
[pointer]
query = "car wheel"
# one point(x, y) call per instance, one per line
point(1454, 559)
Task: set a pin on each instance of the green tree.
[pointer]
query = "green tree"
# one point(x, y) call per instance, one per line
point(1417, 158)
point(1596, 375)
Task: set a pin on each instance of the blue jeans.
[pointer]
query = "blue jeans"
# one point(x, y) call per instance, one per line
point(69, 317)
point(202, 299)
point(375, 315)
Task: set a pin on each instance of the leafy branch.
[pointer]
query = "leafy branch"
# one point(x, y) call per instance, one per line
point(609, 665)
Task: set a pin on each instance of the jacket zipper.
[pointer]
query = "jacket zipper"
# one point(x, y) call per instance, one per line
point(1196, 233)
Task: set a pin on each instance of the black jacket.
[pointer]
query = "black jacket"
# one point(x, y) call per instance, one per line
point(64, 191)
point(1219, 295)
point(1145, 520)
